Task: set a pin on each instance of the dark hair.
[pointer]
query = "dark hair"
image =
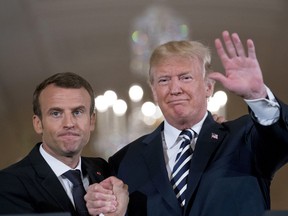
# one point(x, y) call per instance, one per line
point(65, 80)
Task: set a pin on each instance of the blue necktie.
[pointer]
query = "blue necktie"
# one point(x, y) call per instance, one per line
point(78, 191)
point(181, 168)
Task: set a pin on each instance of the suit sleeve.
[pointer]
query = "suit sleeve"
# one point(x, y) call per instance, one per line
point(271, 143)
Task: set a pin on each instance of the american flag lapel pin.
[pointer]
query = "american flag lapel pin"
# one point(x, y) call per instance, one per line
point(98, 173)
point(214, 136)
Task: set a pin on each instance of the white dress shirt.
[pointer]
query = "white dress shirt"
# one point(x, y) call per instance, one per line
point(60, 168)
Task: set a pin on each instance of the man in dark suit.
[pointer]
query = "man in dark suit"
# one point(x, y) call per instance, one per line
point(64, 116)
point(230, 165)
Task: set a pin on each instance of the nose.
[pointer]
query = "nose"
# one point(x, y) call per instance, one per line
point(68, 121)
point(175, 87)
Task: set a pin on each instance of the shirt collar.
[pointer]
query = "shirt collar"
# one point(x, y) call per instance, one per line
point(56, 165)
point(171, 133)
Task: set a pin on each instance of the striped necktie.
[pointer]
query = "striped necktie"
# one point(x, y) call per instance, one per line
point(181, 168)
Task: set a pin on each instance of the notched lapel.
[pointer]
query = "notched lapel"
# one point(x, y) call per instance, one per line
point(49, 181)
point(56, 190)
point(154, 159)
point(51, 184)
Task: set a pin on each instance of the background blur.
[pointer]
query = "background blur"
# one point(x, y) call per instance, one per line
point(108, 42)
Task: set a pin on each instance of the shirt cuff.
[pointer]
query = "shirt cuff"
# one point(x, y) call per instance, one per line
point(266, 110)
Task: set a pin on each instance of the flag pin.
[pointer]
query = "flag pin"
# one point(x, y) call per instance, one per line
point(214, 136)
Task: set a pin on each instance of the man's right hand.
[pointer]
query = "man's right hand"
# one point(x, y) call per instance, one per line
point(109, 197)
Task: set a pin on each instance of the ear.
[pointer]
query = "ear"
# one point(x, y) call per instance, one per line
point(209, 87)
point(37, 124)
point(92, 121)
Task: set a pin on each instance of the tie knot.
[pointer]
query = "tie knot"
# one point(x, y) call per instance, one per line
point(74, 176)
point(187, 134)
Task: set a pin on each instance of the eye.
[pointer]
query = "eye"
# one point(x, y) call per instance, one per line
point(163, 80)
point(186, 77)
point(55, 114)
point(78, 112)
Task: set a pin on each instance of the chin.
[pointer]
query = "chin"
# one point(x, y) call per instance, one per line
point(72, 151)
point(182, 114)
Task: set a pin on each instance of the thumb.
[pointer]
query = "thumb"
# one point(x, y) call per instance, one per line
point(115, 181)
point(217, 77)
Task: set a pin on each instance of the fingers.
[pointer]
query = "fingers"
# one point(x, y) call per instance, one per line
point(219, 119)
point(220, 51)
point(107, 184)
point(103, 208)
point(229, 44)
point(122, 195)
point(120, 188)
point(251, 49)
point(98, 188)
point(109, 197)
point(216, 76)
point(100, 200)
point(121, 191)
point(239, 49)
point(234, 46)
point(115, 181)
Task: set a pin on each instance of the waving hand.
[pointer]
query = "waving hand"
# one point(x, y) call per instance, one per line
point(243, 75)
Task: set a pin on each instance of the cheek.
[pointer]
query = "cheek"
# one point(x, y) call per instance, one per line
point(86, 125)
point(51, 127)
point(160, 93)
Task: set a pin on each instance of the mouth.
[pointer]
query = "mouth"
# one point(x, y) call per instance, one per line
point(177, 101)
point(69, 134)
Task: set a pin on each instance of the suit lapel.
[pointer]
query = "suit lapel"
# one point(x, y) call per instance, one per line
point(154, 159)
point(92, 168)
point(210, 137)
point(49, 181)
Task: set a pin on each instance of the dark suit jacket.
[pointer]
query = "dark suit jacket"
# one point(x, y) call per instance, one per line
point(31, 186)
point(230, 172)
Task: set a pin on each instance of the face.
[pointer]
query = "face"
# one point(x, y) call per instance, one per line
point(66, 122)
point(180, 90)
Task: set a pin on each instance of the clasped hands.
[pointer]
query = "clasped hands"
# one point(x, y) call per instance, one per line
point(109, 197)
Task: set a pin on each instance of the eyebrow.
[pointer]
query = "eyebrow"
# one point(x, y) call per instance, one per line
point(55, 108)
point(61, 109)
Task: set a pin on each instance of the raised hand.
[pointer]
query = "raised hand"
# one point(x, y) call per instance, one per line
point(243, 75)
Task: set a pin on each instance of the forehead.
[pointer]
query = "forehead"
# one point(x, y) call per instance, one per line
point(58, 96)
point(177, 64)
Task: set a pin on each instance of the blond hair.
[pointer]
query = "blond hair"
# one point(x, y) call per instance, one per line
point(192, 49)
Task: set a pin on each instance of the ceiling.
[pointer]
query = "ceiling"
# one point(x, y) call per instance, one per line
point(93, 38)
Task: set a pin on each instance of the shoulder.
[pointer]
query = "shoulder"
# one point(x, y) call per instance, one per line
point(96, 164)
point(136, 144)
point(18, 168)
point(17, 175)
point(243, 120)
point(128, 152)
point(139, 143)
point(91, 161)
